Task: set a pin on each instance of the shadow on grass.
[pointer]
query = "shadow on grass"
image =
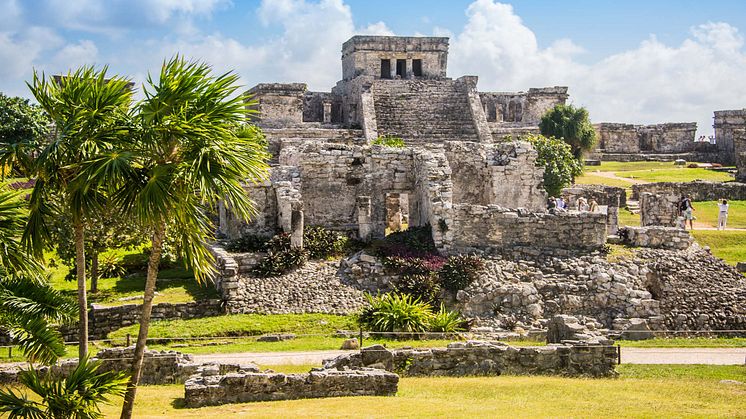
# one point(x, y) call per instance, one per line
point(179, 403)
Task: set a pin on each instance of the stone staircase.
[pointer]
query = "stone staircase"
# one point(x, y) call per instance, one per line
point(423, 110)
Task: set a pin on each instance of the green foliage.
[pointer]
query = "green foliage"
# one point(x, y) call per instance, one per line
point(110, 266)
point(76, 396)
point(460, 271)
point(555, 156)
point(415, 241)
point(572, 126)
point(23, 127)
point(395, 313)
point(445, 321)
point(277, 263)
point(248, 243)
point(322, 243)
point(424, 286)
point(389, 141)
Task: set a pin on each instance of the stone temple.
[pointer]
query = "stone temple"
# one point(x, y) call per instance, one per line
point(459, 174)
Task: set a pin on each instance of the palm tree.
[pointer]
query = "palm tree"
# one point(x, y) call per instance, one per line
point(89, 112)
point(75, 396)
point(184, 159)
point(29, 307)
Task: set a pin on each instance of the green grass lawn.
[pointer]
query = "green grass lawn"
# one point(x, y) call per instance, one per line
point(707, 213)
point(676, 174)
point(626, 218)
point(588, 178)
point(685, 342)
point(640, 391)
point(727, 245)
point(175, 285)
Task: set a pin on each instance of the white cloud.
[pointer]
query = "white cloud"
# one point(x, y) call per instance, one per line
point(651, 83)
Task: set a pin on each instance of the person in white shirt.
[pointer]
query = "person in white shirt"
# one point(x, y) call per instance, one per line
point(722, 214)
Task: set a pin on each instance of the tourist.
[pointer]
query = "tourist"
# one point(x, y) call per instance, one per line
point(561, 203)
point(722, 214)
point(582, 204)
point(687, 210)
point(593, 206)
point(551, 203)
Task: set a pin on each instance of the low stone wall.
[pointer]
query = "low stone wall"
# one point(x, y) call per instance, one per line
point(659, 209)
point(159, 367)
point(210, 386)
point(476, 358)
point(103, 320)
point(479, 227)
point(699, 190)
point(366, 272)
point(657, 237)
point(611, 197)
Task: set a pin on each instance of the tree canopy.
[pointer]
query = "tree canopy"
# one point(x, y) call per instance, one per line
point(23, 127)
point(572, 125)
point(560, 166)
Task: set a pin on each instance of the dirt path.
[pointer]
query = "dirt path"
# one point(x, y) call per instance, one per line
point(711, 356)
point(612, 175)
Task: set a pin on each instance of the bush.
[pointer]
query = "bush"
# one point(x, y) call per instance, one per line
point(278, 243)
point(280, 262)
point(248, 243)
point(556, 157)
point(424, 287)
point(389, 141)
point(322, 243)
point(447, 321)
point(413, 265)
point(413, 242)
point(460, 271)
point(110, 266)
point(395, 313)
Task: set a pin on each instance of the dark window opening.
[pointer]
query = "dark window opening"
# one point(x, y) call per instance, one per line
point(417, 68)
point(401, 68)
point(385, 69)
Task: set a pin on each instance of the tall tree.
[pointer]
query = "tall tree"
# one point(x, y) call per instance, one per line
point(23, 127)
point(572, 125)
point(90, 112)
point(186, 158)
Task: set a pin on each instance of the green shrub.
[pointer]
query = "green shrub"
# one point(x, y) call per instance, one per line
point(280, 262)
point(248, 243)
point(389, 141)
point(460, 271)
point(278, 243)
point(556, 157)
point(423, 287)
point(110, 266)
point(395, 313)
point(413, 242)
point(447, 321)
point(322, 243)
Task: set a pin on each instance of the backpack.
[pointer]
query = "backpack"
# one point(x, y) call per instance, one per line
point(684, 205)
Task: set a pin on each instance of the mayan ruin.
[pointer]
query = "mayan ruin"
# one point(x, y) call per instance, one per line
point(330, 208)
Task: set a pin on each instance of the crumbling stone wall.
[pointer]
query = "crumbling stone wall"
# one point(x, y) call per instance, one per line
point(475, 358)
point(659, 209)
point(210, 386)
point(526, 108)
point(611, 197)
point(668, 138)
point(103, 320)
point(658, 237)
point(278, 104)
point(725, 124)
point(482, 227)
point(699, 190)
point(504, 174)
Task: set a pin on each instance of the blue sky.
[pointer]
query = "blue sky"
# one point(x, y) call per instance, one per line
point(627, 61)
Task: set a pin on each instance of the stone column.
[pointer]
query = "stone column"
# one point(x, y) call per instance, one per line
point(327, 112)
point(296, 225)
point(393, 212)
point(364, 224)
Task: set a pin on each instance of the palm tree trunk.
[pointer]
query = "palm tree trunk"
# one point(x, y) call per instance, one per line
point(147, 305)
point(82, 298)
point(94, 272)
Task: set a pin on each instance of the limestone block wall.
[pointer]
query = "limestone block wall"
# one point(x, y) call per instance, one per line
point(279, 104)
point(617, 138)
point(657, 237)
point(481, 227)
point(210, 388)
point(522, 107)
point(667, 138)
point(739, 145)
point(504, 174)
point(610, 196)
point(476, 358)
point(362, 55)
point(103, 320)
point(659, 209)
point(725, 122)
point(699, 190)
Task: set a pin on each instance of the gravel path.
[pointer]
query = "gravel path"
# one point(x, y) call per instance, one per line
point(712, 356)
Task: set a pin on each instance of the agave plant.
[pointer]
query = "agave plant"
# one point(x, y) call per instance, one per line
point(395, 313)
point(76, 396)
point(446, 321)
